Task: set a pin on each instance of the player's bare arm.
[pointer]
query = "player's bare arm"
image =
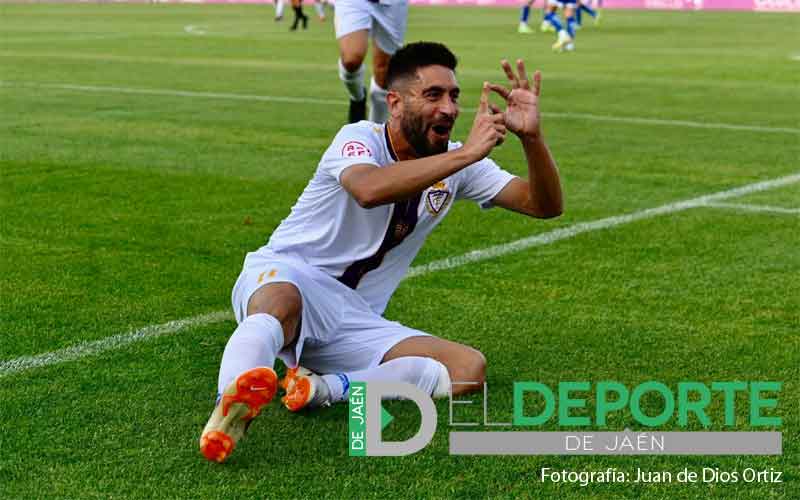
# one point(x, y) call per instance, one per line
point(372, 186)
point(539, 195)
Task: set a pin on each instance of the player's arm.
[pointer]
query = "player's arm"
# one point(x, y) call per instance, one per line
point(540, 195)
point(372, 186)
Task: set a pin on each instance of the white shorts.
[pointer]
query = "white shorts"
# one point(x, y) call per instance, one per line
point(386, 22)
point(338, 330)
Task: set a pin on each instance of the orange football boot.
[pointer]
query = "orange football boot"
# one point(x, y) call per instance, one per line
point(241, 402)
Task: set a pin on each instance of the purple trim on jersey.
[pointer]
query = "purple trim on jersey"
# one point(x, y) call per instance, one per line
point(403, 221)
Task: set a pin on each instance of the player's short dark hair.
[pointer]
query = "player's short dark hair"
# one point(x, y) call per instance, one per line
point(406, 61)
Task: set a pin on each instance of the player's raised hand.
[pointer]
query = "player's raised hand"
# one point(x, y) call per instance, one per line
point(488, 128)
point(522, 100)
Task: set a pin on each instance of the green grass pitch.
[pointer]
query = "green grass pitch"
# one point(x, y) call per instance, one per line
point(140, 161)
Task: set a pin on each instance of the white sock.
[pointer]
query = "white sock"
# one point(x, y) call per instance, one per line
point(379, 110)
point(255, 342)
point(426, 373)
point(320, 9)
point(353, 82)
point(279, 5)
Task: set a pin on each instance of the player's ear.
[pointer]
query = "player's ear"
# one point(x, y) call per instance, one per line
point(395, 103)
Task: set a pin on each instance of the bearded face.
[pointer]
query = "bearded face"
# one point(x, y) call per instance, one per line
point(430, 109)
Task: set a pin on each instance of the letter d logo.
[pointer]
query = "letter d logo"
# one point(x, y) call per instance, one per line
point(367, 414)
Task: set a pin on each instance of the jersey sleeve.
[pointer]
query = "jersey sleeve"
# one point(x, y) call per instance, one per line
point(482, 181)
point(353, 145)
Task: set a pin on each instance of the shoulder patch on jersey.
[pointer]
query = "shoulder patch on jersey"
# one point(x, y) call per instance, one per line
point(436, 198)
point(352, 149)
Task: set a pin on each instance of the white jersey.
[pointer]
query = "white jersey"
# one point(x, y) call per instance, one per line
point(370, 250)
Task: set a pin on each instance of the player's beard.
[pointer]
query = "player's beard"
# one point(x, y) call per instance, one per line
point(416, 132)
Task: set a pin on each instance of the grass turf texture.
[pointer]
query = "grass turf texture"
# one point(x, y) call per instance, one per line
point(122, 210)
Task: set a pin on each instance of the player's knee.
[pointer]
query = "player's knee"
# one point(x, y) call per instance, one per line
point(352, 61)
point(281, 300)
point(379, 71)
point(470, 369)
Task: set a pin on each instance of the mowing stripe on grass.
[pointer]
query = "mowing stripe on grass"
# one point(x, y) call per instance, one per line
point(755, 208)
point(85, 349)
point(341, 102)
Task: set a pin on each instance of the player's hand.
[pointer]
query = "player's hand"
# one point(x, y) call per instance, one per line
point(522, 101)
point(488, 129)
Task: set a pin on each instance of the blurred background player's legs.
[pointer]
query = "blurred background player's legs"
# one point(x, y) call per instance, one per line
point(523, 18)
point(379, 109)
point(583, 6)
point(279, 6)
point(550, 20)
point(565, 31)
point(352, 50)
point(355, 21)
point(299, 16)
point(319, 7)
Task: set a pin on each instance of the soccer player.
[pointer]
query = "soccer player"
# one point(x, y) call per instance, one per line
point(299, 16)
point(523, 18)
point(583, 6)
point(316, 292)
point(279, 5)
point(566, 35)
point(355, 21)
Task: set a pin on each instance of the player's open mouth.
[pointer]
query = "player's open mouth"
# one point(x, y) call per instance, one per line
point(442, 130)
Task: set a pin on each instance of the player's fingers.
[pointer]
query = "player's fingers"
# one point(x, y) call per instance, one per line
point(523, 76)
point(500, 90)
point(537, 83)
point(483, 107)
point(494, 109)
point(498, 118)
point(500, 137)
point(510, 74)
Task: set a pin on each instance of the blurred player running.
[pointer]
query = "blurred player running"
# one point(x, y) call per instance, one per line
point(355, 21)
point(316, 292)
point(565, 34)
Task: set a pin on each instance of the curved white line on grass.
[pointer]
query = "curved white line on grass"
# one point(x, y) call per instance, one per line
point(756, 208)
point(342, 102)
point(115, 342)
point(85, 349)
point(194, 30)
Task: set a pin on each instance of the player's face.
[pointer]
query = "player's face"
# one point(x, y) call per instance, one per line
point(430, 109)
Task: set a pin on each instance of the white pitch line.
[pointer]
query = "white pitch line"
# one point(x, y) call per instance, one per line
point(756, 208)
point(85, 349)
point(194, 30)
point(341, 102)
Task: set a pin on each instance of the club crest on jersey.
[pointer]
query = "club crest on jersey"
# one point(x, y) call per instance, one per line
point(351, 149)
point(437, 197)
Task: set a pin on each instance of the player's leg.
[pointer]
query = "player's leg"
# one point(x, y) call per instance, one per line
point(379, 109)
point(353, 23)
point(437, 366)
point(465, 365)
point(523, 18)
point(388, 33)
point(352, 50)
point(583, 6)
point(550, 20)
point(247, 380)
point(320, 8)
point(279, 6)
point(571, 22)
point(563, 36)
point(367, 347)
